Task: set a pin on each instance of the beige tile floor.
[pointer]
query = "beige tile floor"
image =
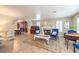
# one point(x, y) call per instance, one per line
point(18, 46)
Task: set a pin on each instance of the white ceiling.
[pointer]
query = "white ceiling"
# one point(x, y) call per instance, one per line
point(46, 11)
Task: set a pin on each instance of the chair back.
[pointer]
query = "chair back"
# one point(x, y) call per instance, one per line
point(71, 31)
point(56, 31)
point(37, 30)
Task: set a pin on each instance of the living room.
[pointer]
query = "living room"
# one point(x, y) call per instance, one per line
point(33, 25)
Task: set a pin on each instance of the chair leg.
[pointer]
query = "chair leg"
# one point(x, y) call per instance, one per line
point(67, 43)
point(74, 47)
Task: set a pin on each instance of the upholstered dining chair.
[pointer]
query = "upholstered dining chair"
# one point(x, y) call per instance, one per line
point(75, 45)
point(54, 33)
point(71, 31)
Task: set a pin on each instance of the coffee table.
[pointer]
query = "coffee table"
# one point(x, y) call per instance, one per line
point(46, 37)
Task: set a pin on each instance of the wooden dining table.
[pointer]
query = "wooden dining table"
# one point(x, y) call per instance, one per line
point(73, 37)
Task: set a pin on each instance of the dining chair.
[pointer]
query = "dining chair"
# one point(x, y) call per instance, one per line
point(67, 40)
point(71, 31)
point(75, 45)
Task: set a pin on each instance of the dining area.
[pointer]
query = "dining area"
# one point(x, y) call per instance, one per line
point(72, 35)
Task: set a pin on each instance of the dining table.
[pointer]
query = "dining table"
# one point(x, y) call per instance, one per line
point(73, 37)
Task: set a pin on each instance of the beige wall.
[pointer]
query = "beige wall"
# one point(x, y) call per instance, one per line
point(5, 10)
point(7, 17)
point(5, 22)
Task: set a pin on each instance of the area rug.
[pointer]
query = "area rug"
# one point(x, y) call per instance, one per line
point(41, 43)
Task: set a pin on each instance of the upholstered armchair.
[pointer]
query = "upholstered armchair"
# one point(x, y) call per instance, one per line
point(75, 45)
point(47, 32)
point(54, 33)
point(35, 30)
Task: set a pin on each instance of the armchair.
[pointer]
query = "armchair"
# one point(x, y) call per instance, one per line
point(35, 30)
point(47, 32)
point(54, 34)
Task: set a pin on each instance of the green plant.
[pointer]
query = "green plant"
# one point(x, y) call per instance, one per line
point(72, 27)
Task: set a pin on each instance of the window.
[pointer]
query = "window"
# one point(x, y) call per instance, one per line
point(78, 25)
point(59, 25)
point(38, 23)
point(66, 25)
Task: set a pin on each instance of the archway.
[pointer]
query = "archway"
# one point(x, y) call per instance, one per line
point(22, 26)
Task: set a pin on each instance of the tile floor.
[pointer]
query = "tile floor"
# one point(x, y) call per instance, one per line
point(18, 46)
